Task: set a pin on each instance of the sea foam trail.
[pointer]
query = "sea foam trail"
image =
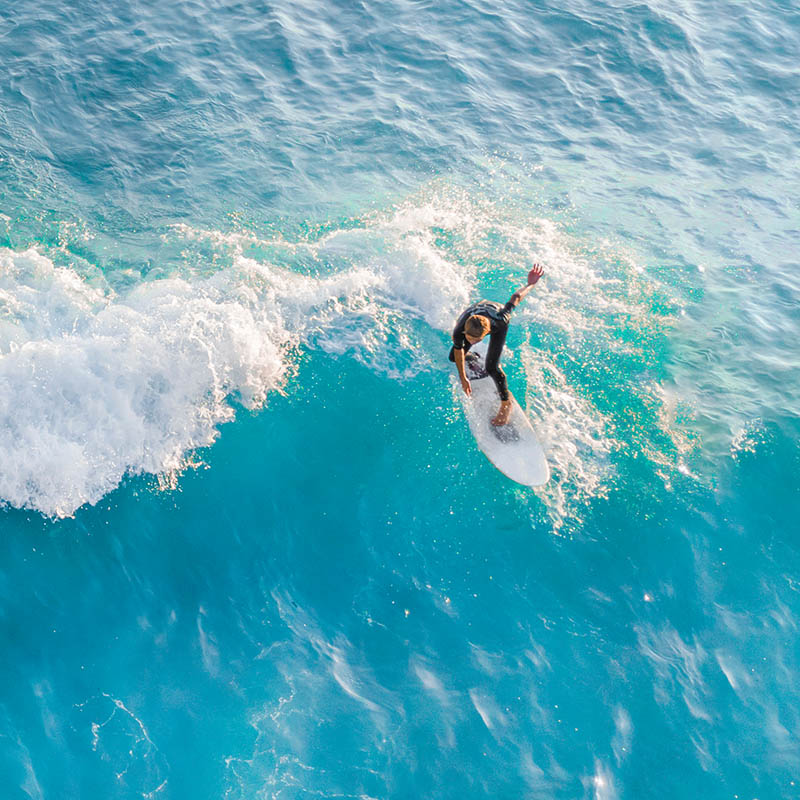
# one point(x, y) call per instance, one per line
point(96, 385)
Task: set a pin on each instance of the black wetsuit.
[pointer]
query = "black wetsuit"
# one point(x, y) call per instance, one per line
point(499, 316)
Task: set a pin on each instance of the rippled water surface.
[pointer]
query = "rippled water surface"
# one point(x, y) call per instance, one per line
point(248, 548)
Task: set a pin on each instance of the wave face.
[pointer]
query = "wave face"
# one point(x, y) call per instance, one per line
point(136, 381)
point(117, 383)
point(248, 548)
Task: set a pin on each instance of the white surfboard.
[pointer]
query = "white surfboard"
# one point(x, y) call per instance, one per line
point(513, 448)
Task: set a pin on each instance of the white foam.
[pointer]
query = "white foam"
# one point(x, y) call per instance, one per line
point(574, 435)
point(96, 385)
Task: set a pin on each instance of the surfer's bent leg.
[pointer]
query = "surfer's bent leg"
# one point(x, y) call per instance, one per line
point(496, 344)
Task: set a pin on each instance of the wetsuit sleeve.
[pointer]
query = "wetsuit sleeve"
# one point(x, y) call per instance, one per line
point(508, 308)
point(458, 335)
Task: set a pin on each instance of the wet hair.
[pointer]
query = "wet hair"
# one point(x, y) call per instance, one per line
point(477, 326)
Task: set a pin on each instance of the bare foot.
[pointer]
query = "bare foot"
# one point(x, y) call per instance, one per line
point(503, 414)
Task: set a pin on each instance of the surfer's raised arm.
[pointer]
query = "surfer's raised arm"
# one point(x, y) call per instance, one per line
point(519, 295)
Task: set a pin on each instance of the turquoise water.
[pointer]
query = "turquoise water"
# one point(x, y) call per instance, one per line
point(248, 548)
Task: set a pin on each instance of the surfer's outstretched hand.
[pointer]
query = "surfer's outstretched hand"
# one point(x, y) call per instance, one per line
point(535, 274)
point(466, 386)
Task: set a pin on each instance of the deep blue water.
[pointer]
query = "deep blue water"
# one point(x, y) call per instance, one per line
point(248, 548)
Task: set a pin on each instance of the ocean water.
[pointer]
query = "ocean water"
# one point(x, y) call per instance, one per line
point(248, 548)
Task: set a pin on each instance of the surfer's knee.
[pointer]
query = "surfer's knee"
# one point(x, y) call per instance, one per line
point(496, 372)
point(499, 378)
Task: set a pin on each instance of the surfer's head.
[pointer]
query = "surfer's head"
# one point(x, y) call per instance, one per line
point(476, 327)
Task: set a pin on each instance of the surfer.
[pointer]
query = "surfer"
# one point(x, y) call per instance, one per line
point(489, 318)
